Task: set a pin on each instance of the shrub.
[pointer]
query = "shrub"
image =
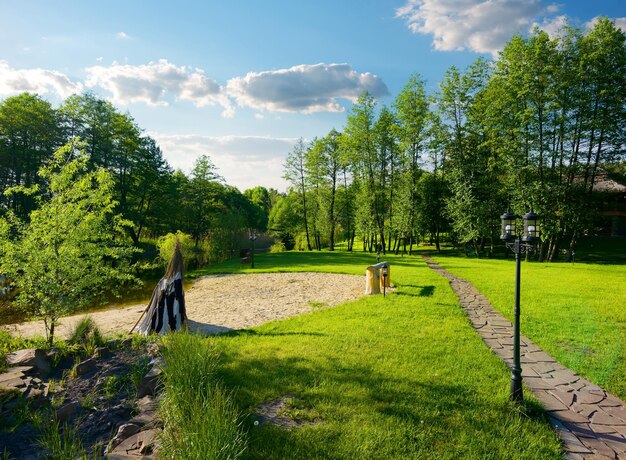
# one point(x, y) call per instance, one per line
point(279, 246)
point(165, 245)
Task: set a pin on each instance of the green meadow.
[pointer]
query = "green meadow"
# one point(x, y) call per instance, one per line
point(576, 312)
point(403, 376)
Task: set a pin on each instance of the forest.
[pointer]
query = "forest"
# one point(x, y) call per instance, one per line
point(531, 129)
point(149, 194)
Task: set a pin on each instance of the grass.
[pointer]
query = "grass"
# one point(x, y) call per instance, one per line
point(200, 420)
point(60, 442)
point(400, 377)
point(575, 312)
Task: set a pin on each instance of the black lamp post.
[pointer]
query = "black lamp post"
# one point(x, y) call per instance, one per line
point(519, 243)
point(252, 237)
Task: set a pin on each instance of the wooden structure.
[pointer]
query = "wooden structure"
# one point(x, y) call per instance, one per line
point(374, 279)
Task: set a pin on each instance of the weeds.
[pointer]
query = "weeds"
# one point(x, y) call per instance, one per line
point(61, 442)
point(87, 334)
point(138, 372)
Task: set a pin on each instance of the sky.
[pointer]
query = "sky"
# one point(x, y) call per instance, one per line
point(241, 81)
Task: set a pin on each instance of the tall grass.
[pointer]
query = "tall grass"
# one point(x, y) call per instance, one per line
point(61, 442)
point(200, 419)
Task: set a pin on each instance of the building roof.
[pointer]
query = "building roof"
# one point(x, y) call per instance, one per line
point(603, 183)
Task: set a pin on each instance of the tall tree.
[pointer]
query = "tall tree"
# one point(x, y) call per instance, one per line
point(413, 131)
point(295, 173)
point(29, 134)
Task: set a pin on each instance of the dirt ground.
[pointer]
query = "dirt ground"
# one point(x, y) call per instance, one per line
point(219, 303)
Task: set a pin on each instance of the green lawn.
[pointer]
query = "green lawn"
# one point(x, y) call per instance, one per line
point(398, 377)
point(576, 312)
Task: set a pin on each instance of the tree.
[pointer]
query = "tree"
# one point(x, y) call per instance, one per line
point(413, 131)
point(29, 134)
point(362, 146)
point(199, 198)
point(295, 173)
point(72, 250)
point(285, 220)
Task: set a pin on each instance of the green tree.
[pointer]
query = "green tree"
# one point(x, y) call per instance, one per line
point(199, 199)
point(72, 251)
point(29, 134)
point(285, 220)
point(295, 173)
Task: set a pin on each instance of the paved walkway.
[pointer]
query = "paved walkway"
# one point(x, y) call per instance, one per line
point(590, 422)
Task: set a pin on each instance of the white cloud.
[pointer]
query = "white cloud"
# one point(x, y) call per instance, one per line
point(244, 161)
point(154, 83)
point(122, 35)
point(304, 88)
point(41, 81)
point(483, 26)
point(553, 26)
point(619, 22)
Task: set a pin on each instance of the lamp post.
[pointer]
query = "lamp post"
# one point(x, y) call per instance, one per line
point(385, 280)
point(252, 237)
point(519, 243)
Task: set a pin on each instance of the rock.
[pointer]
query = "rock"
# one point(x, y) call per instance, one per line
point(64, 412)
point(142, 443)
point(147, 407)
point(127, 343)
point(149, 382)
point(152, 349)
point(34, 357)
point(102, 352)
point(123, 432)
point(87, 366)
point(15, 383)
point(147, 404)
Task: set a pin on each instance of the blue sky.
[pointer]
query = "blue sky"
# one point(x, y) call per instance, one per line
point(242, 80)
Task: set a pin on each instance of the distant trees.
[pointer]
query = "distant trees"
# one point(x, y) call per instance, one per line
point(153, 198)
point(532, 128)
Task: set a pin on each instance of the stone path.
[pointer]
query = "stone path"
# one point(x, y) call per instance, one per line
point(590, 422)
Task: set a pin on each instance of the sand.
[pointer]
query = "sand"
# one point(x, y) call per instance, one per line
point(219, 303)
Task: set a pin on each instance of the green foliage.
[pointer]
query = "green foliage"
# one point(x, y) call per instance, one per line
point(71, 252)
point(200, 419)
point(61, 442)
point(86, 331)
point(278, 247)
point(166, 244)
point(138, 371)
point(111, 386)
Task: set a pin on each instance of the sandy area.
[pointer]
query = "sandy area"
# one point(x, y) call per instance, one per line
point(219, 303)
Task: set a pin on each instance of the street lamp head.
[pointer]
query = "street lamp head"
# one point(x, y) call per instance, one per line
point(508, 232)
point(532, 230)
point(385, 270)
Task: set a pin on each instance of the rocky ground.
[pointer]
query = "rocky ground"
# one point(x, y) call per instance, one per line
point(108, 401)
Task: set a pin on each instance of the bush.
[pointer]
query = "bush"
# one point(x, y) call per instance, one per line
point(279, 246)
point(166, 244)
